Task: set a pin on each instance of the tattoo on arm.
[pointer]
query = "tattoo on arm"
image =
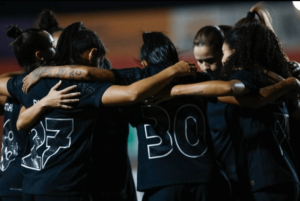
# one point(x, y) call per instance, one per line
point(72, 74)
point(42, 70)
point(61, 72)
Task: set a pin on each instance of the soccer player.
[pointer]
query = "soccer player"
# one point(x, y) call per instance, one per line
point(38, 47)
point(116, 175)
point(60, 142)
point(264, 134)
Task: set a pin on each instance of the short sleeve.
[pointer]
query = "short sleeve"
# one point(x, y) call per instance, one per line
point(127, 76)
point(247, 78)
point(14, 87)
point(203, 77)
point(91, 93)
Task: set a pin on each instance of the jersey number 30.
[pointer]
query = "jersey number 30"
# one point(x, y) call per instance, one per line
point(187, 129)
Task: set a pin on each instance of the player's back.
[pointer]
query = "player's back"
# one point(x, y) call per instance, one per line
point(174, 141)
point(112, 178)
point(58, 159)
point(13, 143)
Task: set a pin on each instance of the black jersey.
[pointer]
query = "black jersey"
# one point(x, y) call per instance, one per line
point(112, 177)
point(58, 160)
point(173, 138)
point(264, 152)
point(13, 143)
point(220, 124)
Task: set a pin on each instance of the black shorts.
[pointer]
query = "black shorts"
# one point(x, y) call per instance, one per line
point(19, 198)
point(29, 197)
point(280, 192)
point(178, 193)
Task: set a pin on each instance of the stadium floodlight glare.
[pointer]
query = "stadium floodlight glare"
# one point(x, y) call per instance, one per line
point(296, 4)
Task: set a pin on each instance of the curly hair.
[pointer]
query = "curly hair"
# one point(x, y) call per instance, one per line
point(255, 46)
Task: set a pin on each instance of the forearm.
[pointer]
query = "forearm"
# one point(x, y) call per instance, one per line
point(140, 90)
point(3, 86)
point(2, 103)
point(265, 96)
point(209, 88)
point(28, 117)
point(12, 74)
point(75, 72)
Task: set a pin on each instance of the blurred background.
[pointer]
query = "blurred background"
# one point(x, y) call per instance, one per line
point(120, 25)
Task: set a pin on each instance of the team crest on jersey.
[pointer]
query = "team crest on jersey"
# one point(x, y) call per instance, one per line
point(35, 101)
point(8, 107)
point(9, 150)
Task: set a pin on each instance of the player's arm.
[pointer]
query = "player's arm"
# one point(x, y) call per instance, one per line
point(71, 72)
point(12, 74)
point(3, 82)
point(265, 95)
point(2, 103)
point(140, 90)
point(54, 99)
point(207, 89)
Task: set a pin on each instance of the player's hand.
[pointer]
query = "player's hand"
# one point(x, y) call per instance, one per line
point(184, 68)
point(61, 99)
point(163, 95)
point(295, 69)
point(30, 80)
point(293, 82)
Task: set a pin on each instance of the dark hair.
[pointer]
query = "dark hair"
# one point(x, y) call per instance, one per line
point(212, 36)
point(255, 45)
point(264, 18)
point(26, 44)
point(48, 22)
point(158, 49)
point(262, 14)
point(74, 41)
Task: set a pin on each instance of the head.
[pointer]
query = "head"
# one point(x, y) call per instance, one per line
point(208, 48)
point(48, 22)
point(78, 45)
point(158, 49)
point(251, 47)
point(32, 47)
point(263, 18)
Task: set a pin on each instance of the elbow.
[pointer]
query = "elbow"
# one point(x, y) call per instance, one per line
point(134, 97)
point(20, 126)
point(237, 88)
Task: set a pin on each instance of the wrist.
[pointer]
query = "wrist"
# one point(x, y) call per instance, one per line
point(291, 81)
point(43, 104)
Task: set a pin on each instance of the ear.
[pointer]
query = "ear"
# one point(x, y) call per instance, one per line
point(92, 52)
point(144, 63)
point(39, 56)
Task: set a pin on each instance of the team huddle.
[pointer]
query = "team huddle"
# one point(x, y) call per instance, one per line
point(218, 134)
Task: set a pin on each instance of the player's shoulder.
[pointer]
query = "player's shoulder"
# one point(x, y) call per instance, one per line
point(153, 69)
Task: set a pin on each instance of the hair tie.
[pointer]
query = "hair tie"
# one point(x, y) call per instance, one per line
point(220, 30)
point(251, 15)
